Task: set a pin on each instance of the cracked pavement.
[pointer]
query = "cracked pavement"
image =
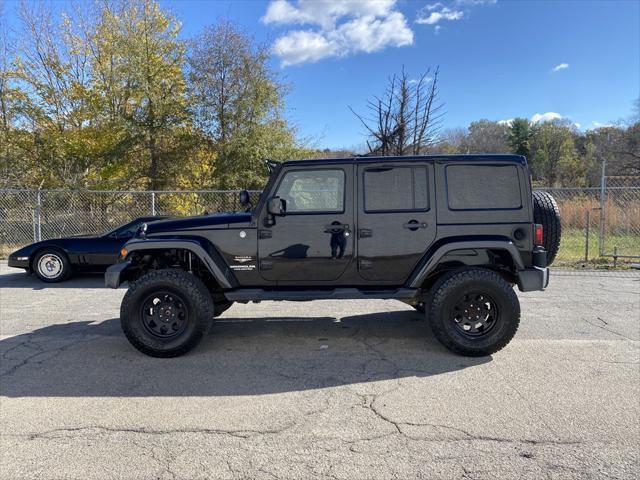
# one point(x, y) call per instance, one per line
point(327, 389)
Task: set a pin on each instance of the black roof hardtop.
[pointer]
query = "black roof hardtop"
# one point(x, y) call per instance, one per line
point(495, 157)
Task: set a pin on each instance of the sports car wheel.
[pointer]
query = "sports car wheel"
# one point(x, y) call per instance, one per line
point(51, 265)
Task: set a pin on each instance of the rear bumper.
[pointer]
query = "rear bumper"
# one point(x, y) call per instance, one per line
point(113, 277)
point(532, 279)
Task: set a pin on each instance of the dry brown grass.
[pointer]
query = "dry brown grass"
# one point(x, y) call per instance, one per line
point(617, 217)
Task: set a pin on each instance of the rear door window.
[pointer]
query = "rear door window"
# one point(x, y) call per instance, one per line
point(395, 189)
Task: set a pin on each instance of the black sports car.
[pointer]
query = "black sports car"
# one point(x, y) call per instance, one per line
point(54, 260)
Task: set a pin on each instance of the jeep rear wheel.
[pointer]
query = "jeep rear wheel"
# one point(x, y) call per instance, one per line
point(166, 313)
point(474, 312)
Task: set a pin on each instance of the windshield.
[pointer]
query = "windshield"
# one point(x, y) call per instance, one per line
point(126, 230)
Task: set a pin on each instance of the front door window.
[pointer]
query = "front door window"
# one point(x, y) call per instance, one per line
point(313, 191)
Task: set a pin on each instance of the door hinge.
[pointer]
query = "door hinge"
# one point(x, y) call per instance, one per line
point(264, 234)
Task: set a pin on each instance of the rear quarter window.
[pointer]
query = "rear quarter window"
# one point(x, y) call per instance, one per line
point(483, 187)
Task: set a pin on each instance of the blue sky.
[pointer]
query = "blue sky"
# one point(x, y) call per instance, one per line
point(496, 58)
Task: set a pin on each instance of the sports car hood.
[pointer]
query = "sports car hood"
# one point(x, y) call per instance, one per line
point(218, 221)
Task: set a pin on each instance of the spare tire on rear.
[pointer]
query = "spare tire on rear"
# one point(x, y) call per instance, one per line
point(546, 213)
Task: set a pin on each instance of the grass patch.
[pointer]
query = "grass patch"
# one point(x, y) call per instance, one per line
point(573, 246)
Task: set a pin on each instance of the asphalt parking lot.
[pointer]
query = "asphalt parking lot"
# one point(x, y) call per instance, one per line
point(328, 389)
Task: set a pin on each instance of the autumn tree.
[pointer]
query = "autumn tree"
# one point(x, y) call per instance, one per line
point(237, 103)
point(138, 62)
point(554, 160)
point(486, 136)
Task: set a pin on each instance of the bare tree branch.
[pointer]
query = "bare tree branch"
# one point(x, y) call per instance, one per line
point(408, 117)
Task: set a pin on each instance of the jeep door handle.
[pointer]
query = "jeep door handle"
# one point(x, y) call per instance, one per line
point(336, 227)
point(414, 225)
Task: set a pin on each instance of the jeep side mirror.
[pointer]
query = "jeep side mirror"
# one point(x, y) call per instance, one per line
point(245, 199)
point(276, 206)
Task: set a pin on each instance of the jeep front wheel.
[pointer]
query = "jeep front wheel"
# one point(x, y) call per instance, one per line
point(474, 312)
point(166, 313)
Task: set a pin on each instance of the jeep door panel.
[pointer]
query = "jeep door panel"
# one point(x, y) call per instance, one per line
point(396, 218)
point(313, 241)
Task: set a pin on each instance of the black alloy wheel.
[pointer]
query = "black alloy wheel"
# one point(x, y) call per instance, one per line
point(164, 314)
point(475, 314)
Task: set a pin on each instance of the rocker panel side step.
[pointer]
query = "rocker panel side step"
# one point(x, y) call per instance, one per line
point(257, 294)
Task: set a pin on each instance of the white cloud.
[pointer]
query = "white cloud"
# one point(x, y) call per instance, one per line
point(546, 117)
point(475, 2)
point(601, 125)
point(562, 66)
point(425, 80)
point(303, 46)
point(435, 13)
point(431, 16)
point(338, 28)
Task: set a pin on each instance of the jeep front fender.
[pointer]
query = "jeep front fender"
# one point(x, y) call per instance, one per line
point(200, 248)
point(425, 268)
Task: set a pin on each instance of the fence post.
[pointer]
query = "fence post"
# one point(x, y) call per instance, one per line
point(586, 237)
point(153, 204)
point(38, 216)
point(603, 188)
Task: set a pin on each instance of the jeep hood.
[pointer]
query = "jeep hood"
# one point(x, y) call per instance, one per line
point(218, 221)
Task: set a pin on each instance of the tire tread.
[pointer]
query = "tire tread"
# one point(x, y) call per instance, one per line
point(190, 286)
point(547, 213)
point(451, 281)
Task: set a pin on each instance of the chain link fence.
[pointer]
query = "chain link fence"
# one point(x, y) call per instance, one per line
point(30, 215)
point(601, 225)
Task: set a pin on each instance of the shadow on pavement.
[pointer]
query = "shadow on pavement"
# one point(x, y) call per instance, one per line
point(21, 279)
point(241, 356)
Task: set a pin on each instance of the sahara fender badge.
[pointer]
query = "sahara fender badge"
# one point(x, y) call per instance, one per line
point(243, 265)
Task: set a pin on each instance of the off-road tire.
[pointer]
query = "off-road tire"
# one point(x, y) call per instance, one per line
point(62, 258)
point(546, 213)
point(457, 284)
point(197, 302)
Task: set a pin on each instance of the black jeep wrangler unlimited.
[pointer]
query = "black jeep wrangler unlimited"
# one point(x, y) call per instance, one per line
point(448, 235)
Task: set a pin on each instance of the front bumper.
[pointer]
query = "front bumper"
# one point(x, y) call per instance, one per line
point(113, 277)
point(16, 261)
point(532, 279)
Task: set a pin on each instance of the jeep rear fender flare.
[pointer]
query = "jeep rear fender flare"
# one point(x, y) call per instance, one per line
point(425, 268)
point(206, 253)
